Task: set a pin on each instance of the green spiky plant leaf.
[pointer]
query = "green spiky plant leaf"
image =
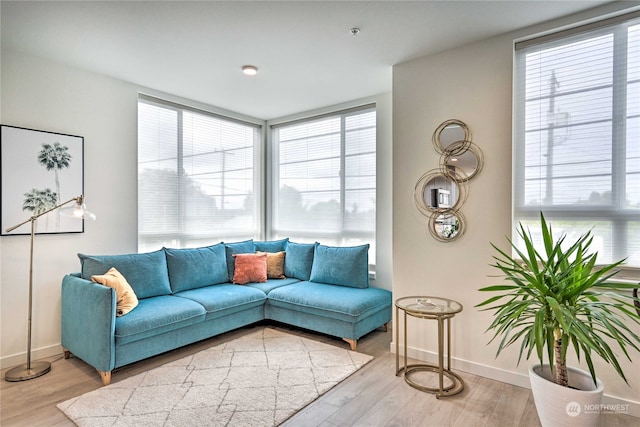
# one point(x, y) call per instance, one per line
point(559, 299)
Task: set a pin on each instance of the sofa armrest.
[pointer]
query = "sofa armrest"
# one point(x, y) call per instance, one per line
point(88, 321)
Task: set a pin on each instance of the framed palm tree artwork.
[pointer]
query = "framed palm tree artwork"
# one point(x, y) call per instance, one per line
point(39, 170)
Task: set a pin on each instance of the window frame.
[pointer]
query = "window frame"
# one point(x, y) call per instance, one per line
point(180, 108)
point(273, 175)
point(615, 212)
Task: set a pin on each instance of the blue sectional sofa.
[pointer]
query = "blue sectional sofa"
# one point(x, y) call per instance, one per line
point(187, 295)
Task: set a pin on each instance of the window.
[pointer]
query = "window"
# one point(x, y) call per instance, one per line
point(324, 179)
point(198, 177)
point(577, 135)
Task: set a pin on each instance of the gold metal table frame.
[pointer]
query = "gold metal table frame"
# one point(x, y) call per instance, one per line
point(436, 308)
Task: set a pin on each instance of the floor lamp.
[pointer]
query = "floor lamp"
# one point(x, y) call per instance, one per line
point(30, 370)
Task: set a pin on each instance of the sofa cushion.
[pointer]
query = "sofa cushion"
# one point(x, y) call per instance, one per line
point(146, 273)
point(344, 266)
point(332, 301)
point(126, 299)
point(275, 264)
point(271, 245)
point(299, 260)
point(250, 268)
point(157, 315)
point(198, 267)
point(245, 247)
point(221, 300)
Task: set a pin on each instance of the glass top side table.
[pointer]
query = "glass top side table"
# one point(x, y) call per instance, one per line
point(441, 310)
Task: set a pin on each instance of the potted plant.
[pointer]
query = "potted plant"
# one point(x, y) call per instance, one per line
point(559, 299)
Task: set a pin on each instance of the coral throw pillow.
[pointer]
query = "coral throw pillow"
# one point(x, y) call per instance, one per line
point(275, 264)
point(126, 299)
point(250, 268)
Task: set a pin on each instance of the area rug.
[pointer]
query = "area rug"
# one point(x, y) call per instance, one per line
point(260, 379)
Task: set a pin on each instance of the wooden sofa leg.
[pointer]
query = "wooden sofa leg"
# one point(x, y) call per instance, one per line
point(106, 377)
point(66, 353)
point(352, 343)
point(386, 326)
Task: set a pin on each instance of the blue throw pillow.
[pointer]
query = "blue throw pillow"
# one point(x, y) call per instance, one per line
point(344, 266)
point(245, 247)
point(298, 260)
point(146, 273)
point(272, 245)
point(198, 267)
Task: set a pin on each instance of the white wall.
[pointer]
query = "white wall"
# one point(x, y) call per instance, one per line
point(44, 95)
point(473, 84)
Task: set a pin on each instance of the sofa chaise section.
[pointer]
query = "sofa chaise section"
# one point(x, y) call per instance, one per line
point(340, 311)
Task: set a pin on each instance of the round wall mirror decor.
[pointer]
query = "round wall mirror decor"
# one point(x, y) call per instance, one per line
point(442, 193)
point(452, 136)
point(439, 193)
point(436, 192)
point(447, 226)
point(461, 166)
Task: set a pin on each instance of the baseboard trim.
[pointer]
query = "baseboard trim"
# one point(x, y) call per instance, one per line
point(623, 405)
point(36, 354)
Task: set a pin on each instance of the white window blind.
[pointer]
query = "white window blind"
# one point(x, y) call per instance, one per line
point(197, 177)
point(324, 179)
point(577, 135)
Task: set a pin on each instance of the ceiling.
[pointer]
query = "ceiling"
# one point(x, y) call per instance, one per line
point(306, 55)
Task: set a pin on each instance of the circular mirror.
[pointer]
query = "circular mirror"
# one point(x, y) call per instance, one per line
point(462, 166)
point(447, 226)
point(436, 192)
point(452, 136)
point(440, 193)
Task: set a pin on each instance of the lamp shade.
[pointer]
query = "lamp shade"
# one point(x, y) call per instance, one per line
point(79, 211)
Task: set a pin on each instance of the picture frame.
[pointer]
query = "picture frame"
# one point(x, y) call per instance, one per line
point(39, 170)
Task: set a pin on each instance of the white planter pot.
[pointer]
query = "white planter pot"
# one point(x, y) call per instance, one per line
point(557, 406)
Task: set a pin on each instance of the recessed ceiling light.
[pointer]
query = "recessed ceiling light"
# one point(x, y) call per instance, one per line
point(354, 31)
point(250, 70)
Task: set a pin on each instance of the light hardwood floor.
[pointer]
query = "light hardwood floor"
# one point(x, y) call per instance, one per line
point(373, 396)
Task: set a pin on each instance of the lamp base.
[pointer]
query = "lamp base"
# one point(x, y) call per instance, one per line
point(22, 373)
